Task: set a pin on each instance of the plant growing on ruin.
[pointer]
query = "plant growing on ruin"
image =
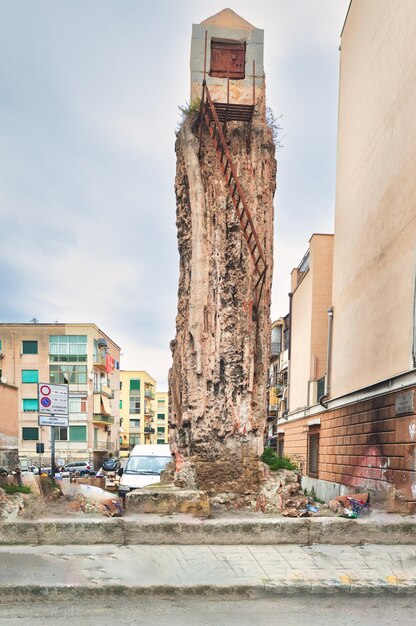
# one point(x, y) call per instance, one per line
point(276, 463)
point(11, 489)
point(273, 123)
point(190, 108)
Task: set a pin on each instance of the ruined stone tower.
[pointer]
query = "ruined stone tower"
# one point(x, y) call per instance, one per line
point(225, 183)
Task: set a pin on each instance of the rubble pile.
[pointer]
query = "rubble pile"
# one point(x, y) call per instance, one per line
point(11, 506)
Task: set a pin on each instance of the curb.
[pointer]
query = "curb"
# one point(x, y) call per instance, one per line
point(275, 531)
point(26, 593)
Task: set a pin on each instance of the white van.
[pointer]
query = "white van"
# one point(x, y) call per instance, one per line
point(143, 467)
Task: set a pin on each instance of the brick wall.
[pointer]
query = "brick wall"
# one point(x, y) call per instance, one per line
point(363, 446)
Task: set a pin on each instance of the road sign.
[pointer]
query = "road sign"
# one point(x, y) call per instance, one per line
point(53, 420)
point(53, 399)
point(40, 448)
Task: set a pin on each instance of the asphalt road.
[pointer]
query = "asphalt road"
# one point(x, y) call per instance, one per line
point(292, 610)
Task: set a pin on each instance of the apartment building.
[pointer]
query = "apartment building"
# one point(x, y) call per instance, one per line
point(278, 382)
point(363, 434)
point(162, 415)
point(80, 356)
point(9, 429)
point(143, 410)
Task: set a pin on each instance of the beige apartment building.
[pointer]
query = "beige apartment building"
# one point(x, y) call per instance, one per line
point(84, 358)
point(311, 289)
point(363, 437)
point(143, 411)
point(9, 429)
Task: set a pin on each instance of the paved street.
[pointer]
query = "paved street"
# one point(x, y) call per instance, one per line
point(291, 610)
point(146, 567)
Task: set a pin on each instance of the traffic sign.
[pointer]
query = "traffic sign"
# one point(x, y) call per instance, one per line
point(53, 420)
point(53, 399)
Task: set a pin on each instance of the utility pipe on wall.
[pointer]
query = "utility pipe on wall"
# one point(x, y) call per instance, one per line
point(323, 400)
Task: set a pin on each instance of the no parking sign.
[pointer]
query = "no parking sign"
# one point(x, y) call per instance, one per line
point(53, 399)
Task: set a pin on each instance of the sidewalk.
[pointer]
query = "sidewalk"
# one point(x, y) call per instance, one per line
point(75, 572)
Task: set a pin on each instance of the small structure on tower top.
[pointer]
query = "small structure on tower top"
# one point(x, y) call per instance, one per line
point(227, 46)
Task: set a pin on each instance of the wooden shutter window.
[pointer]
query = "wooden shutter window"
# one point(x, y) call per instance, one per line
point(228, 58)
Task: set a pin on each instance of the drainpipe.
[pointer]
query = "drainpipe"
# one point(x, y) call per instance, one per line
point(289, 351)
point(323, 400)
point(414, 321)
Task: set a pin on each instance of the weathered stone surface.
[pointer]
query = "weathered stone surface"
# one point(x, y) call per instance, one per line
point(166, 500)
point(218, 379)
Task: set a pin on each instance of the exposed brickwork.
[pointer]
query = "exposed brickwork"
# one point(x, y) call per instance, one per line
point(362, 445)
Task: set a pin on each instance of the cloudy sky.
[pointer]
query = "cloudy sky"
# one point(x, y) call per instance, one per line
point(89, 95)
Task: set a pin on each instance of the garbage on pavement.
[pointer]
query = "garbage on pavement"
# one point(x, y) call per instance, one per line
point(351, 506)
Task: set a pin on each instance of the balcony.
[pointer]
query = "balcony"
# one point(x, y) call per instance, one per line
point(99, 361)
point(103, 445)
point(100, 418)
point(149, 431)
point(149, 411)
point(148, 393)
point(104, 390)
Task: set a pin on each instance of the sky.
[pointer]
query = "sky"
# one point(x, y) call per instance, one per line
point(89, 101)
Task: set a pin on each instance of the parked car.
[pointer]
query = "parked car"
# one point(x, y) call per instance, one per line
point(144, 466)
point(35, 469)
point(82, 468)
point(111, 465)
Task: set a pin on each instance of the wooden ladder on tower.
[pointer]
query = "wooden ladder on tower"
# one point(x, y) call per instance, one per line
point(210, 113)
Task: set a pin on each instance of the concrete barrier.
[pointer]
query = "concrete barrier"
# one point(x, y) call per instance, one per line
point(185, 530)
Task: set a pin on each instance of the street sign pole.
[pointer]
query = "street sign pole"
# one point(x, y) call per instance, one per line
point(53, 450)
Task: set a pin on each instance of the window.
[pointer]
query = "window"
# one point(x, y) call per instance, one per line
point(320, 388)
point(161, 416)
point(77, 433)
point(160, 429)
point(134, 404)
point(77, 404)
point(160, 403)
point(30, 376)
point(121, 404)
point(280, 445)
point(64, 374)
point(227, 59)
point(160, 441)
point(68, 347)
point(276, 340)
point(313, 452)
point(134, 440)
point(30, 434)
point(135, 384)
point(29, 347)
point(61, 433)
point(30, 404)
point(134, 423)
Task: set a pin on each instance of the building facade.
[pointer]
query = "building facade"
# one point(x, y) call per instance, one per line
point(9, 428)
point(143, 411)
point(363, 436)
point(84, 358)
point(278, 382)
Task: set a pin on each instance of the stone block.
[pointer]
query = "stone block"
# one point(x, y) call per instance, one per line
point(167, 499)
